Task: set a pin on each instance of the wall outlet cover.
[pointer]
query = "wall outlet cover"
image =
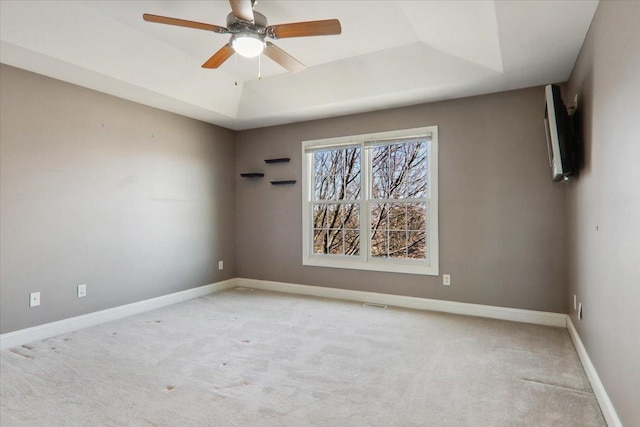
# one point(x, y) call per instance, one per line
point(34, 299)
point(82, 291)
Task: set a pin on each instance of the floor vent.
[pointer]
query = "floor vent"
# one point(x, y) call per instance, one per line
point(374, 305)
point(242, 289)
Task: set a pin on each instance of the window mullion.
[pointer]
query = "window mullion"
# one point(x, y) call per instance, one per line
point(365, 206)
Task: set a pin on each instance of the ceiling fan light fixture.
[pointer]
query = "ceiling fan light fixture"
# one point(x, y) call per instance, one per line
point(247, 44)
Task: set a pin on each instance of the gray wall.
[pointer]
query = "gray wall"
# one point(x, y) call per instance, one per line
point(603, 210)
point(501, 217)
point(133, 201)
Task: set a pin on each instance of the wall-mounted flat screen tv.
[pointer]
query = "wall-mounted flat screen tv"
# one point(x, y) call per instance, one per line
point(561, 143)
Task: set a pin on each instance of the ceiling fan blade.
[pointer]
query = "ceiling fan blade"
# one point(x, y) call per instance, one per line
point(219, 57)
point(283, 58)
point(327, 27)
point(184, 23)
point(242, 9)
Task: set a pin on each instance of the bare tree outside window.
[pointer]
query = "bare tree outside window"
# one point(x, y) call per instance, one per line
point(336, 211)
point(399, 209)
point(370, 201)
point(397, 206)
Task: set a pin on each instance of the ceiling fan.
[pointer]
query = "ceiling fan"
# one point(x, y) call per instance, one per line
point(249, 29)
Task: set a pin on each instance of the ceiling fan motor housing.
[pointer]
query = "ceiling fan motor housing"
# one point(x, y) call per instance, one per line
point(259, 24)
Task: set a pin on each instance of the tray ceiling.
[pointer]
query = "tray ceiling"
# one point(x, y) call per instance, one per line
point(390, 53)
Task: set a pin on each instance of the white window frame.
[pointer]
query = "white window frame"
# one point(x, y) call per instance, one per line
point(364, 261)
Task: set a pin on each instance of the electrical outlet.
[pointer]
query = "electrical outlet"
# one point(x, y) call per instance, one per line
point(220, 265)
point(34, 299)
point(446, 279)
point(575, 302)
point(580, 311)
point(82, 291)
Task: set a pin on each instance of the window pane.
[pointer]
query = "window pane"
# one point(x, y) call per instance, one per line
point(416, 244)
point(352, 242)
point(416, 216)
point(379, 243)
point(319, 240)
point(399, 171)
point(351, 216)
point(336, 228)
point(319, 216)
point(335, 242)
point(379, 216)
point(397, 244)
point(337, 174)
point(398, 230)
point(397, 216)
point(333, 216)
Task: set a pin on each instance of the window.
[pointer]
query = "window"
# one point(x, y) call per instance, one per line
point(371, 201)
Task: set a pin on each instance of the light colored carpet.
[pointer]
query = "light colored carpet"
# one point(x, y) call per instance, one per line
point(241, 358)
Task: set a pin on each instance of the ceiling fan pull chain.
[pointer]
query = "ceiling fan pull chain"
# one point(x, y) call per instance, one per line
point(236, 82)
point(259, 67)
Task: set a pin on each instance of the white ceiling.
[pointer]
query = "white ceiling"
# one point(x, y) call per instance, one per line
point(390, 53)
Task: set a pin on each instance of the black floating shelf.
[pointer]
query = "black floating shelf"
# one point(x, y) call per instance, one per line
point(285, 182)
point(279, 160)
point(252, 175)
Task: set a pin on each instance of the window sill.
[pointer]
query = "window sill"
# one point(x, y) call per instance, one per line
point(407, 267)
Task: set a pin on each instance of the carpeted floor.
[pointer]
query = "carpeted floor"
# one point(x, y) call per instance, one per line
point(255, 358)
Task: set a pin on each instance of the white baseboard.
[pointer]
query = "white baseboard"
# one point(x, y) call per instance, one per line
point(48, 330)
point(608, 411)
point(493, 312)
